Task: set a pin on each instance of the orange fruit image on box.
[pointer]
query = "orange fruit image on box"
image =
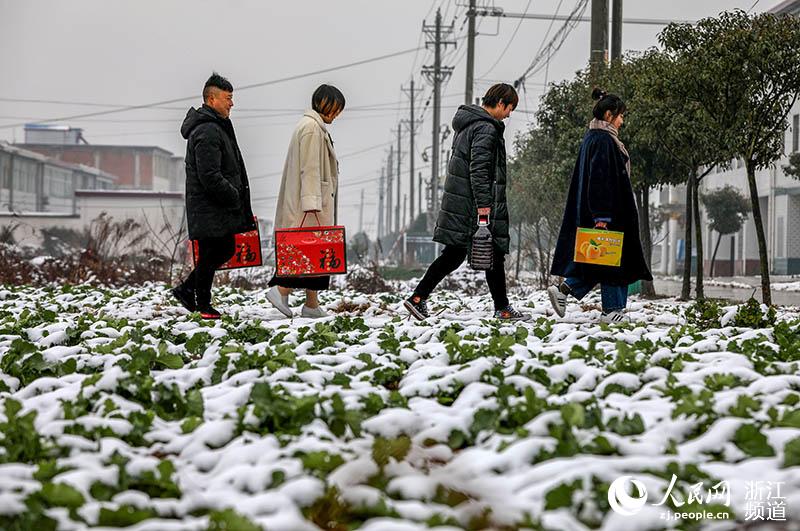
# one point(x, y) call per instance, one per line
point(598, 247)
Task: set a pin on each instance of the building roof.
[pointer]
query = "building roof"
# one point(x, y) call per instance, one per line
point(791, 7)
point(51, 127)
point(94, 146)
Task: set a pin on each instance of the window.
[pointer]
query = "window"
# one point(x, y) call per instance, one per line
point(740, 243)
point(795, 133)
point(57, 182)
point(5, 168)
point(25, 175)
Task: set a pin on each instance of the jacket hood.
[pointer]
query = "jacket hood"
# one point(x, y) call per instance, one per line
point(466, 115)
point(195, 117)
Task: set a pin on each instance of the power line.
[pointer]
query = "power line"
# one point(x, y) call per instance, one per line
point(244, 87)
point(508, 44)
point(555, 43)
point(365, 107)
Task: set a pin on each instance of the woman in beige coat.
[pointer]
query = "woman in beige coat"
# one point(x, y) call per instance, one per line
point(309, 192)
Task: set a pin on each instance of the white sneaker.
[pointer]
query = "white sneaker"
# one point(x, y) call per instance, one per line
point(615, 317)
point(558, 300)
point(313, 313)
point(280, 302)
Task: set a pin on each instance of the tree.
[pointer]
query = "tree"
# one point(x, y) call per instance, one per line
point(541, 168)
point(747, 78)
point(726, 209)
point(683, 131)
point(651, 166)
point(793, 168)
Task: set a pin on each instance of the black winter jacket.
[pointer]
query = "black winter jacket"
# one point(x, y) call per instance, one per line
point(601, 188)
point(217, 189)
point(476, 178)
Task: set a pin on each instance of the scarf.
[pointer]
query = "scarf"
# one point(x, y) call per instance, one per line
point(611, 130)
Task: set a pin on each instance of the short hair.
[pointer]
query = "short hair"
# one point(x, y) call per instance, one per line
point(501, 93)
point(607, 102)
point(218, 82)
point(327, 99)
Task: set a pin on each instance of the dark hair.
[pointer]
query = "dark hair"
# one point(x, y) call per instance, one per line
point(501, 93)
point(327, 99)
point(607, 102)
point(216, 81)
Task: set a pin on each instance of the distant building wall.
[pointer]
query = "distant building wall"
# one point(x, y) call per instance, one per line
point(160, 214)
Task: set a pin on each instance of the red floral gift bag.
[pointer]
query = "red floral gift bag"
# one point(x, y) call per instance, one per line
point(310, 251)
point(248, 250)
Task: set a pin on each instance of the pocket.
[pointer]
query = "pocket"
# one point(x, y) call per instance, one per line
point(326, 193)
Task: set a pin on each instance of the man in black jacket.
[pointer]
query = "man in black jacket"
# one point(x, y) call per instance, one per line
point(217, 192)
point(475, 186)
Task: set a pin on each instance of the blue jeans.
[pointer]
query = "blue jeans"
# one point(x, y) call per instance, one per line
point(614, 297)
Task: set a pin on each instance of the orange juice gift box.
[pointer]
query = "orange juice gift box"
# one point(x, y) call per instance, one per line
point(598, 247)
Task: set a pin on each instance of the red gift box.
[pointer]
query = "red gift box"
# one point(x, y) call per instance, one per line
point(247, 254)
point(310, 251)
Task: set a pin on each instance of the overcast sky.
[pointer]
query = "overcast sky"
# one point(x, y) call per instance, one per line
point(143, 51)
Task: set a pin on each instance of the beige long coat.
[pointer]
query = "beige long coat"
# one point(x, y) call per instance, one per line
point(310, 176)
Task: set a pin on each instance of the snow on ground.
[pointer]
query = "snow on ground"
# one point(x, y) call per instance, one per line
point(118, 408)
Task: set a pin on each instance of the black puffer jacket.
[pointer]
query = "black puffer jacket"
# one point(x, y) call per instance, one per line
point(476, 178)
point(217, 190)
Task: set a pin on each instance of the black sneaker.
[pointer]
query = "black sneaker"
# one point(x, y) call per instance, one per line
point(510, 314)
point(209, 313)
point(417, 307)
point(185, 297)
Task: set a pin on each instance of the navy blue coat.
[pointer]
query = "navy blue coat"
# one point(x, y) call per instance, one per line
point(476, 178)
point(217, 188)
point(601, 188)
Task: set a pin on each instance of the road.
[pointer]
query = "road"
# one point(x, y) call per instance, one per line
point(781, 298)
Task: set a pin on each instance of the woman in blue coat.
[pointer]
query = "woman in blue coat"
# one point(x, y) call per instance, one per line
point(601, 197)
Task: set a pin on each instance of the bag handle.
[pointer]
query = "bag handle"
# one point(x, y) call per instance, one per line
point(319, 223)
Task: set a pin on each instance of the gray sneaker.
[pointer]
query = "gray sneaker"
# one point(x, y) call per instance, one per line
point(313, 313)
point(558, 299)
point(280, 302)
point(510, 314)
point(615, 317)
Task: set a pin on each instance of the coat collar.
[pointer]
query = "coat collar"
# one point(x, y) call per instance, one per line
point(314, 115)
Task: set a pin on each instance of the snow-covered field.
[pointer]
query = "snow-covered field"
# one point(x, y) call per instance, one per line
point(118, 408)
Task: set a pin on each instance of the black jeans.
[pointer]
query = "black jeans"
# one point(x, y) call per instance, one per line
point(213, 252)
point(450, 259)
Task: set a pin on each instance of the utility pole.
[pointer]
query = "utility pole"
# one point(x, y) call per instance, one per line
point(361, 213)
point(389, 196)
point(380, 204)
point(470, 52)
point(399, 158)
point(598, 52)
point(616, 30)
point(412, 131)
point(420, 188)
point(436, 74)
